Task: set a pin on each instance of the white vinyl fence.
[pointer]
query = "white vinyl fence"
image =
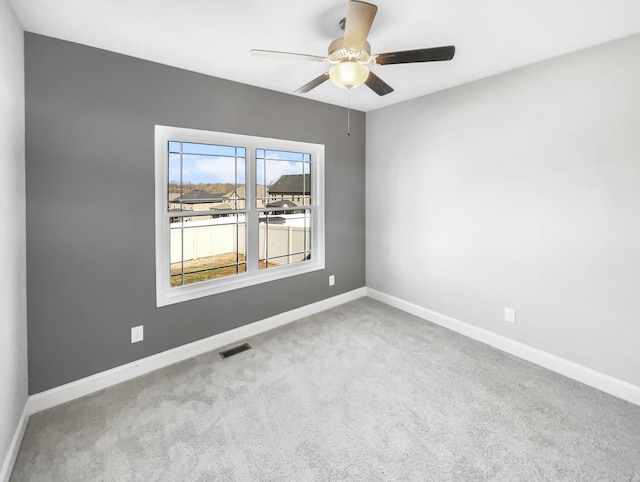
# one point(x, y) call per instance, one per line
point(211, 240)
point(282, 242)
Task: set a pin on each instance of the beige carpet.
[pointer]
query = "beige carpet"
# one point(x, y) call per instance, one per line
point(359, 392)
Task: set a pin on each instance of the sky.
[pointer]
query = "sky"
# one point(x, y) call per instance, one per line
point(203, 163)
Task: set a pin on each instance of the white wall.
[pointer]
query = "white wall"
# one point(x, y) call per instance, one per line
point(521, 190)
point(13, 325)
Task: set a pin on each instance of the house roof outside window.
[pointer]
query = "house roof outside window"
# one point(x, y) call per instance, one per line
point(294, 184)
point(198, 196)
point(282, 203)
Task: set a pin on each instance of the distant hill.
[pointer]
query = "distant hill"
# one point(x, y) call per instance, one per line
point(218, 188)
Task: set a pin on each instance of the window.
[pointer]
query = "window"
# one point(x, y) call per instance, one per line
point(233, 211)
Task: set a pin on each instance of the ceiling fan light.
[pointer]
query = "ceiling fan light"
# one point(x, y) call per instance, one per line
point(349, 74)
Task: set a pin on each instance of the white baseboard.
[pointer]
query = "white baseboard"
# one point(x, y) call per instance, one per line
point(99, 381)
point(605, 383)
point(14, 447)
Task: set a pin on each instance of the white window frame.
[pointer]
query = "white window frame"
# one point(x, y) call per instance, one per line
point(167, 295)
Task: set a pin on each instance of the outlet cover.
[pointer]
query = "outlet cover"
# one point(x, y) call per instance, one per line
point(332, 280)
point(137, 334)
point(510, 315)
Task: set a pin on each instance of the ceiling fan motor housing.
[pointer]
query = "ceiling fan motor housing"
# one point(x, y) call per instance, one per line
point(337, 52)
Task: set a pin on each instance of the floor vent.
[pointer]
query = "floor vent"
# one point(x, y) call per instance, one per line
point(235, 350)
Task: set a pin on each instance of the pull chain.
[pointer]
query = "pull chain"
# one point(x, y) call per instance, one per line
point(349, 112)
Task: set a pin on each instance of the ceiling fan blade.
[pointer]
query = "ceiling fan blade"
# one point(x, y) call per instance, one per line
point(360, 16)
point(273, 53)
point(313, 84)
point(434, 54)
point(378, 85)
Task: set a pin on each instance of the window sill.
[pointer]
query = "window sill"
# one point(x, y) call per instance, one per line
point(198, 290)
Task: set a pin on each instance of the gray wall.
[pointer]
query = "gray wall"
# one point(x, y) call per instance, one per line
point(522, 191)
point(90, 116)
point(13, 286)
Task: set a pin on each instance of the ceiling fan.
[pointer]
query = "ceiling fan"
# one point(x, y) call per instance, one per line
point(351, 54)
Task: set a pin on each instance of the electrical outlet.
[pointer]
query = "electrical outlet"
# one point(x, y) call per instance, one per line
point(137, 334)
point(332, 280)
point(510, 315)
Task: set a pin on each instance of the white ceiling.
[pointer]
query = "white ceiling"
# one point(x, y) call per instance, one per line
point(214, 36)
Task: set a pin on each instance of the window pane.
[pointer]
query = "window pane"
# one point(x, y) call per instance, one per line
point(206, 177)
point(208, 149)
point(175, 182)
point(284, 155)
point(204, 248)
point(200, 169)
point(284, 237)
point(282, 176)
point(261, 185)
